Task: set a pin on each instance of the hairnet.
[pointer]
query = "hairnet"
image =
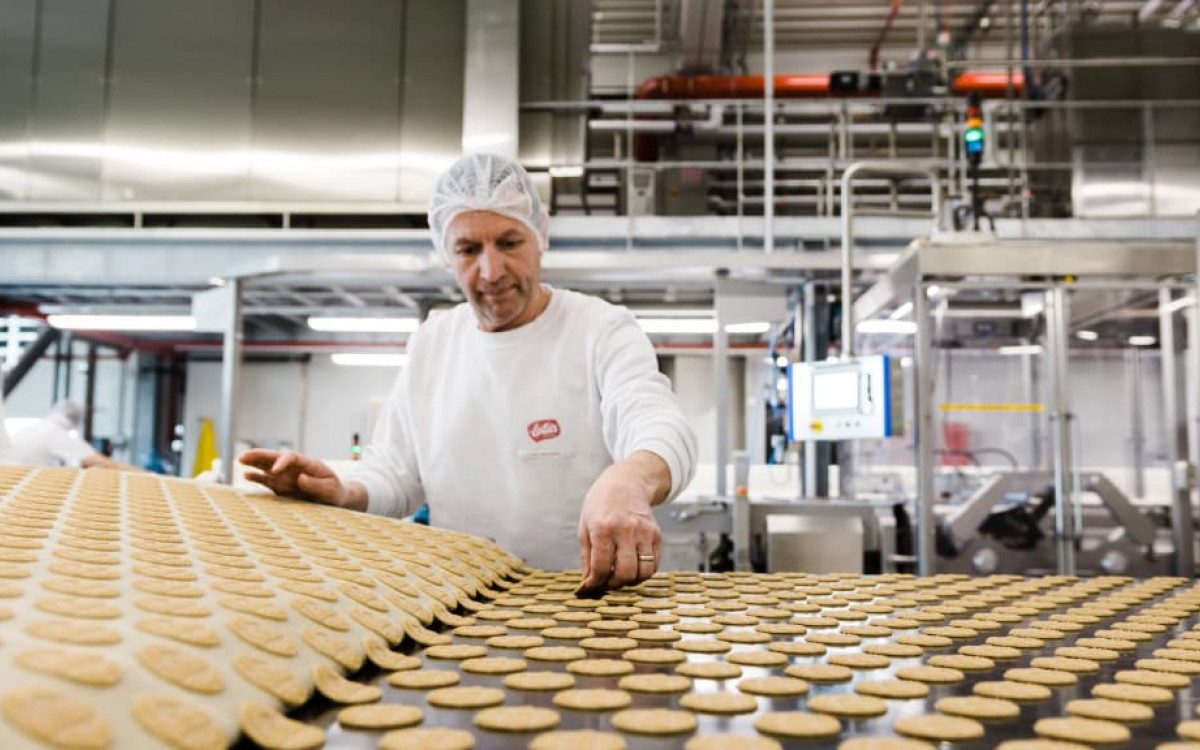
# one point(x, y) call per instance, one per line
point(486, 182)
point(70, 411)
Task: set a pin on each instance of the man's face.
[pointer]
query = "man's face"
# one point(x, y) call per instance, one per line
point(498, 266)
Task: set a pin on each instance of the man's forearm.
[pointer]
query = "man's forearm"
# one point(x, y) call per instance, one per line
point(649, 470)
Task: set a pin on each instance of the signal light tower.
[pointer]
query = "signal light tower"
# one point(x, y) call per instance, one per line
point(973, 145)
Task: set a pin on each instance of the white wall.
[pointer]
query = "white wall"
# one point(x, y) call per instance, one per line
point(278, 410)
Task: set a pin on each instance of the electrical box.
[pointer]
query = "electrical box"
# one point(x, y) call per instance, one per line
point(862, 398)
point(640, 192)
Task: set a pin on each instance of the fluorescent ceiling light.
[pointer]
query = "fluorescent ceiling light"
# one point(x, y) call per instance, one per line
point(369, 359)
point(566, 171)
point(781, 361)
point(123, 322)
point(1021, 349)
point(1142, 341)
point(1087, 335)
point(678, 325)
point(364, 325)
point(903, 311)
point(671, 312)
point(899, 327)
point(759, 327)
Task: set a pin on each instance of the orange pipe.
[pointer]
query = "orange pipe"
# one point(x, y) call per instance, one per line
point(990, 84)
point(733, 87)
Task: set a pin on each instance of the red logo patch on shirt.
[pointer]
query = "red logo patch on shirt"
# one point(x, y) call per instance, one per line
point(543, 429)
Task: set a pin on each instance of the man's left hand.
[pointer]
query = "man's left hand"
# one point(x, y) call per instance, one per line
point(619, 540)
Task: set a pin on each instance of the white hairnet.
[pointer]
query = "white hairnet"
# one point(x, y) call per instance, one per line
point(70, 411)
point(486, 182)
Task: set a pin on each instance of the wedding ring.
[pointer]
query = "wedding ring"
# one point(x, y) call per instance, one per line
point(646, 558)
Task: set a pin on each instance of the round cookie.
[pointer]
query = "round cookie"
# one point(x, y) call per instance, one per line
point(655, 683)
point(757, 658)
point(654, 721)
point(731, 742)
point(1110, 710)
point(819, 672)
point(493, 665)
point(1040, 744)
point(596, 699)
point(380, 716)
point(600, 667)
point(1047, 677)
point(1089, 731)
point(1066, 664)
point(579, 739)
point(976, 707)
point(939, 728)
point(860, 661)
point(541, 681)
point(1021, 692)
point(798, 725)
point(934, 675)
point(773, 686)
point(884, 743)
point(423, 679)
point(962, 662)
point(894, 689)
point(1134, 693)
point(465, 697)
point(709, 670)
point(719, 703)
point(427, 738)
point(516, 718)
point(1152, 679)
point(857, 706)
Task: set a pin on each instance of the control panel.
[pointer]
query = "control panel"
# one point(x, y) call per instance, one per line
point(862, 398)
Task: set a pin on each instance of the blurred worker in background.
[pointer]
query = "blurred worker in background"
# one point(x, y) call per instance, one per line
point(55, 441)
point(534, 416)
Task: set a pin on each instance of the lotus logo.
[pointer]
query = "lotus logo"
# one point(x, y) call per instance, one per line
point(543, 429)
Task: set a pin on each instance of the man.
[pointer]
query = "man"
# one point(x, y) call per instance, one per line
point(531, 415)
point(55, 441)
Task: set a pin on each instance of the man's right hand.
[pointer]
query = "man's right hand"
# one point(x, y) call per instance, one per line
point(291, 474)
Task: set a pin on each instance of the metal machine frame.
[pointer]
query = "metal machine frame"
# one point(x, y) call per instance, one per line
point(1055, 268)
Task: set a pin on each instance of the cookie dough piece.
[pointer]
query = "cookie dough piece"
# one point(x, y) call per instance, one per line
point(83, 668)
point(857, 706)
point(976, 707)
point(796, 648)
point(55, 719)
point(493, 665)
point(274, 731)
point(1189, 730)
point(608, 644)
point(177, 723)
point(1090, 731)
point(540, 681)
point(1110, 710)
point(1171, 666)
point(515, 642)
point(833, 639)
point(925, 641)
point(939, 728)
point(895, 650)
point(597, 699)
point(330, 683)
point(798, 725)
point(711, 670)
point(1041, 744)
point(1038, 676)
point(654, 721)
point(894, 689)
point(455, 652)
point(773, 686)
point(430, 738)
point(465, 697)
point(516, 719)
point(1021, 692)
point(989, 651)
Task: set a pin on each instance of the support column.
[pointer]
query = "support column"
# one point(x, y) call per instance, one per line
point(89, 393)
point(231, 377)
point(1175, 427)
point(924, 437)
point(1061, 422)
point(721, 392)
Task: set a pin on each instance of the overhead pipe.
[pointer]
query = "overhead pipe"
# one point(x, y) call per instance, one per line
point(799, 86)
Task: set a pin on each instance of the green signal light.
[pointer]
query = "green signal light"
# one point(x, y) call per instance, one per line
point(974, 134)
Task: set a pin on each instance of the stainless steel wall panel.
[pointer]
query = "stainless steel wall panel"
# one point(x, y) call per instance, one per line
point(179, 117)
point(431, 107)
point(68, 106)
point(555, 62)
point(326, 116)
point(18, 20)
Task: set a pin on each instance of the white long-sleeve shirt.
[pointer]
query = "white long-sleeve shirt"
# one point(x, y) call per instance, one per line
point(503, 433)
